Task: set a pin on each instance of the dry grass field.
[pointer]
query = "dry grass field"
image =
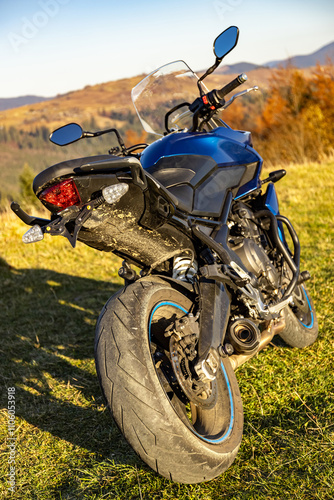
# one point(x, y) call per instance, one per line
point(67, 446)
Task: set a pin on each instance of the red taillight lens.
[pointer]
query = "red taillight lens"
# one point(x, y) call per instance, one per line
point(61, 195)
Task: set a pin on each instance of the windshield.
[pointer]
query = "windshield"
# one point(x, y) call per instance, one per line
point(162, 90)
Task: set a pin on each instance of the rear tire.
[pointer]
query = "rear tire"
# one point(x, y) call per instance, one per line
point(301, 321)
point(181, 442)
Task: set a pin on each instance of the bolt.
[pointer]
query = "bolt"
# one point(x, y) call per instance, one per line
point(242, 212)
point(229, 349)
point(221, 352)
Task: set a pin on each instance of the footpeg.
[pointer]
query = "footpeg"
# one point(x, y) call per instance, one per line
point(304, 276)
point(127, 273)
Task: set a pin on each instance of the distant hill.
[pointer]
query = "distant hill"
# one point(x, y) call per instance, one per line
point(306, 61)
point(16, 102)
point(109, 103)
point(242, 67)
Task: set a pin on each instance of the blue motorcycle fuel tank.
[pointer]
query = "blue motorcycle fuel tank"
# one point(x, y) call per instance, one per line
point(199, 167)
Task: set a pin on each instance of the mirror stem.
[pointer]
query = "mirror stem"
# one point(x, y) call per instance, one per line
point(102, 132)
point(207, 73)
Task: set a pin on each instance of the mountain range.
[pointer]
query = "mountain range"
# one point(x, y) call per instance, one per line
point(320, 56)
point(16, 102)
point(304, 61)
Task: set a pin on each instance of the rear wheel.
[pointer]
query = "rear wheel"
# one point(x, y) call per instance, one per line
point(301, 322)
point(185, 430)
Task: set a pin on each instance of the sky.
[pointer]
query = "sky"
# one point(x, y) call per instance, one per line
point(50, 47)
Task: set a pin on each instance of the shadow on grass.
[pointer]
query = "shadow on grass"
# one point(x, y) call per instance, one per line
point(47, 352)
point(48, 323)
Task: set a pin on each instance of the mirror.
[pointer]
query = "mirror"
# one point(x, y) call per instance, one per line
point(66, 134)
point(225, 42)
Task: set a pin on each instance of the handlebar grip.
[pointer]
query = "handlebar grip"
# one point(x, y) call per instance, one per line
point(231, 86)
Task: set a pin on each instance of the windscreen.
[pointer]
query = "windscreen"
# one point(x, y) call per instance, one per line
point(162, 90)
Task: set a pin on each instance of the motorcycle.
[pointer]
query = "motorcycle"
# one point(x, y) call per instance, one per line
point(217, 267)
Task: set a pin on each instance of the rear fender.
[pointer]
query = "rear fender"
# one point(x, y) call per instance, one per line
point(136, 227)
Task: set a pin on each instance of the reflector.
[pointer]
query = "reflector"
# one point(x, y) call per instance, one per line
point(63, 195)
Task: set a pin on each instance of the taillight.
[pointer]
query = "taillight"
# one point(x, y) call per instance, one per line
point(62, 195)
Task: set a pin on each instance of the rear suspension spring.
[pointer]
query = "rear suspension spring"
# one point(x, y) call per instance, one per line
point(184, 268)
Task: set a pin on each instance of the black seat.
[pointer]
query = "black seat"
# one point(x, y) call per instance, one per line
point(102, 164)
point(82, 166)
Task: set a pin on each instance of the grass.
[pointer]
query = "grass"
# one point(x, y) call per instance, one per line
point(67, 445)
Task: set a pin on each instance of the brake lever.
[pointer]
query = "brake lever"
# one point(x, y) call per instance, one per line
point(239, 94)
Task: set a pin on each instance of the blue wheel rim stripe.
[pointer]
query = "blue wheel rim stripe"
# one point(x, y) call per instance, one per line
point(310, 308)
point(160, 305)
point(228, 431)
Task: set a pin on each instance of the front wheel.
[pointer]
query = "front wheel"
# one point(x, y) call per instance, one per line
point(301, 328)
point(186, 432)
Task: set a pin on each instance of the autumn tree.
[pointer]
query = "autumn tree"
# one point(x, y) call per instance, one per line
point(132, 137)
point(296, 124)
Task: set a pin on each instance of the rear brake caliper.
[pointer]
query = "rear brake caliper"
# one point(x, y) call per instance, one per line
point(184, 334)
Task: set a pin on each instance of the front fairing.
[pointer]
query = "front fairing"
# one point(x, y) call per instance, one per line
point(166, 88)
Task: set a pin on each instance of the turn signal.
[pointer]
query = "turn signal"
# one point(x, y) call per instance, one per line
point(33, 234)
point(113, 193)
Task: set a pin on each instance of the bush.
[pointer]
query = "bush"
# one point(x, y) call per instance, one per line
point(26, 192)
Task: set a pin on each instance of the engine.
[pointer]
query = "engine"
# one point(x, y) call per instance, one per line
point(255, 259)
point(249, 244)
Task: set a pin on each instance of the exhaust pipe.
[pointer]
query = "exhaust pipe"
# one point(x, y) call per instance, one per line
point(244, 336)
point(274, 327)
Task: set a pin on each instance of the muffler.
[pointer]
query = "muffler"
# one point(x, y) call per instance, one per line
point(274, 327)
point(244, 336)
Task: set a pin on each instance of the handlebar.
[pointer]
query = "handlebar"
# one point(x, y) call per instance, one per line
point(214, 99)
point(205, 107)
point(239, 80)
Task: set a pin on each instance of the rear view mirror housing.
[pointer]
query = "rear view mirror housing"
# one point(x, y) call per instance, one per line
point(67, 134)
point(225, 42)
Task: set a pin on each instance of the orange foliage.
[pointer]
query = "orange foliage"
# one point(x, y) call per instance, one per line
point(235, 114)
point(323, 83)
point(272, 114)
point(132, 137)
point(289, 94)
point(296, 123)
